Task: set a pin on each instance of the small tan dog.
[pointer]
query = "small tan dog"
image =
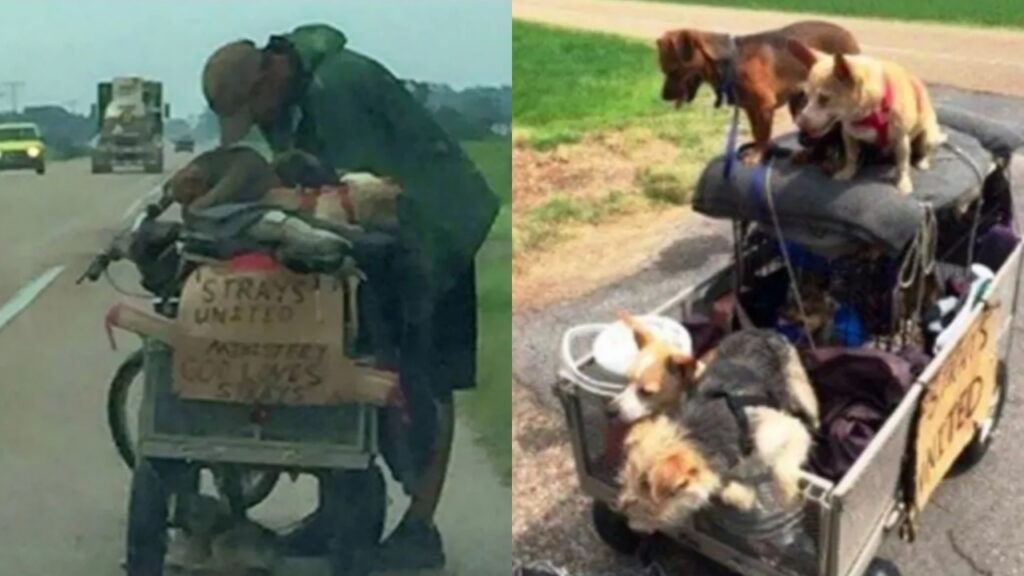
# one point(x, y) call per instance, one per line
point(753, 401)
point(820, 309)
point(372, 200)
point(659, 378)
point(877, 102)
point(354, 200)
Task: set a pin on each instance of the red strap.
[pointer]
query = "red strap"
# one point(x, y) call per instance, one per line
point(879, 118)
point(252, 262)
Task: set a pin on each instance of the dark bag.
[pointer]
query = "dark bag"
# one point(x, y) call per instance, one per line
point(857, 389)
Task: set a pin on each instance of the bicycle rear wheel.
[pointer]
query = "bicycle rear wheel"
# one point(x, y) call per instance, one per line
point(256, 485)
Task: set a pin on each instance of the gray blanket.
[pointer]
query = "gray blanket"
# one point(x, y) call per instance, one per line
point(813, 208)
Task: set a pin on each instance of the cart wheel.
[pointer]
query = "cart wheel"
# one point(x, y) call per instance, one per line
point(613, 529)
point(356, 507)
point(255, 485)
point(117, 405)
point(982, 440)
point(147, 522)
point(881, 567)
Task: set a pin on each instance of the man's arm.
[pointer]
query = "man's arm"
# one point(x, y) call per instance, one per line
point(245, 177)
point(366, 118)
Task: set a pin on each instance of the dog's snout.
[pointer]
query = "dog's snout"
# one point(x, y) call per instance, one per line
point(670, 91)
point(611, 409)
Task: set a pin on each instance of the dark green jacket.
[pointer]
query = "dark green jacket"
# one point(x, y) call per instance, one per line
point(355, 115)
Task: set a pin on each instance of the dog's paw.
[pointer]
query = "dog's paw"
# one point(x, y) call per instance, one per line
point(904, 184)
point(847, 173)
point(923, 164)
point(788, 490)
point(739, 496)
point(752, 156)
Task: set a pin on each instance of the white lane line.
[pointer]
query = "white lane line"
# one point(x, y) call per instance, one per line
point(153, 193)
point(27, 294)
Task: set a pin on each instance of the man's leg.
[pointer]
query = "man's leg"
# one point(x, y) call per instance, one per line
point(427, 493)
point(416, 542)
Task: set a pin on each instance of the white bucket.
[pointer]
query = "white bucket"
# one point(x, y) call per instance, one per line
point(614, 349)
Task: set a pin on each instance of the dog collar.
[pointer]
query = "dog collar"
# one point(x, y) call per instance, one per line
point(879, 117)
point(725, 88)
point(737, 405)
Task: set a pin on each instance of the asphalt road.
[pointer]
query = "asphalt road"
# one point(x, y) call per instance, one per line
point(972, 525)
point(63, 490)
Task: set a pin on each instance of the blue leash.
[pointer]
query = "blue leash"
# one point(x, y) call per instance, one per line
point(727, 68)
point(730, 142)
point(727, 92)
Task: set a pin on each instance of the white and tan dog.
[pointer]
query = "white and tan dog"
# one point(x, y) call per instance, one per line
point(659, 377)
point(877, 102)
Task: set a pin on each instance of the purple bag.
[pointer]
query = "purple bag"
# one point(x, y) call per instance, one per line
point(857, 390)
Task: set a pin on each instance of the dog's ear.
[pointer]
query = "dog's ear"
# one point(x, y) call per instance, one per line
point(702, 47)
point(642, 334)
point(843, 71)
point(682, 43)
point(683, 363)
point(802, 52)
point(671, 46)
point(670, 475)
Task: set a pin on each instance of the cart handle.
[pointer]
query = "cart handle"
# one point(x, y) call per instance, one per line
point(571, 365)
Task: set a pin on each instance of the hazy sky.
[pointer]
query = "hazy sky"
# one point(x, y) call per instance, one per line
point(61, 48)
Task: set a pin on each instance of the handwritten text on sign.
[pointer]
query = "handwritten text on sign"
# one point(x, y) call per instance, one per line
point(956, 401)
point(271, 337)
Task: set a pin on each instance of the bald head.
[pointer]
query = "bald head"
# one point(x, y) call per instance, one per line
point(230, 79)
point(245, 85)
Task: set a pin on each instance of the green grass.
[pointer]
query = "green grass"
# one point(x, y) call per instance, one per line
point(568, 83)
point(494, 159)
point(544, 225)
point(1006, 13)
point(489, 407)
point(667, 186)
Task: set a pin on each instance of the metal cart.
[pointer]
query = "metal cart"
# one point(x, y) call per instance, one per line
point(945, 421)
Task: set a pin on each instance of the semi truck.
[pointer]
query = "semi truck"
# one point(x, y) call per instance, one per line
point(130, 115)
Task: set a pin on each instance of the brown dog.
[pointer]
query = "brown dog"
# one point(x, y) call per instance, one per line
point(767, 76)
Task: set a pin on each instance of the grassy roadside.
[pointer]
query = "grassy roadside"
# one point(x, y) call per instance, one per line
point(569, 83)
point(489, 406)
point(572, 87)
point(1002, 13)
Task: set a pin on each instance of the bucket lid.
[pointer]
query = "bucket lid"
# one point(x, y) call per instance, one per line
point(615, 348)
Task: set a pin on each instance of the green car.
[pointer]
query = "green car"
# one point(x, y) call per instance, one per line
point(21, 146)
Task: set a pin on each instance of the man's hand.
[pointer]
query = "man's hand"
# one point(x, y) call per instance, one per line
point(187, 185)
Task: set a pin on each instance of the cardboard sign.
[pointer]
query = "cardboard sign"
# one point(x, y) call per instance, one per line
point(956, 402)
point(268, 337)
